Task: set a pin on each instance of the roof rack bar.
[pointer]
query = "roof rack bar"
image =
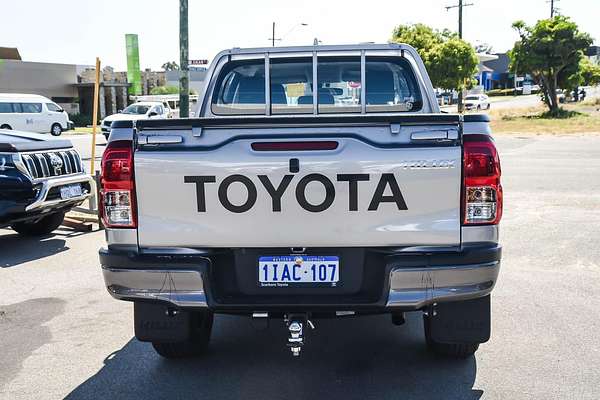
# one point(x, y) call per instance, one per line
point(267, 85)
point(315, 89)
point(363, 82)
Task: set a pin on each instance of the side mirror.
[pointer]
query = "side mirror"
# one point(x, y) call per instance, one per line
point(152, 114)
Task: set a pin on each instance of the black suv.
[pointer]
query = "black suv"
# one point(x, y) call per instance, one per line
point(40, 180)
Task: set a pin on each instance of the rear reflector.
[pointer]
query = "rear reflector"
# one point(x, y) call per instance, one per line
point(117, 193)
point(482, 189)
point(294, 146)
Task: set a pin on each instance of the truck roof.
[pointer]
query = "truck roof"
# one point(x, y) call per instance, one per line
point(338, 47)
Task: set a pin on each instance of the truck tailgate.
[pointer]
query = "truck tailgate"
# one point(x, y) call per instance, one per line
point(232, 187)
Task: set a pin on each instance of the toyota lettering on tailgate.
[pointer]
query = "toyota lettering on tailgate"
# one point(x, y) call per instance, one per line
point(387, 184)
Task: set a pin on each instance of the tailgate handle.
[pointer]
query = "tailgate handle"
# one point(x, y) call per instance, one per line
point(161, 139)
point(429, 135)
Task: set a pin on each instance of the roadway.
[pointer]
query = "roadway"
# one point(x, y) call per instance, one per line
point(62, 335)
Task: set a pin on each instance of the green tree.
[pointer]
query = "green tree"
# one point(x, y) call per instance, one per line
point(590, 73)
point(164, 90)
point(158, 90)
point(170, 66)
point(483, 48)
point(451, 62)
point(551, 52)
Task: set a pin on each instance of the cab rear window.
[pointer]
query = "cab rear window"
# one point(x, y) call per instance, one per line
point(240, 89)
point(390, 86)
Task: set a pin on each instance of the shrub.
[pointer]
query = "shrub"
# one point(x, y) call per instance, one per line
point(500, 92)
point(81, 119)
point(164, 90)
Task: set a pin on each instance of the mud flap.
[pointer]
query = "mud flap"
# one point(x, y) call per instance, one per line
point(159, 323)
point(461, 321)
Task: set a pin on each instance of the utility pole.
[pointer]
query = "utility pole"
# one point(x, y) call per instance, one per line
point(184, 75)
point(273, 38)
point(460, 6)
point(553, 9)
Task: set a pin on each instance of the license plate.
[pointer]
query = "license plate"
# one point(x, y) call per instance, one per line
point(298, 269)
point(70, 191)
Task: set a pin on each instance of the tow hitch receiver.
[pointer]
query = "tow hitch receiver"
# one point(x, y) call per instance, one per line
point(295, 324)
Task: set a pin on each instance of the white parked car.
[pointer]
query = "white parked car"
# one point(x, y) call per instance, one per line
point(477, 102)
point(134, 112)
point(32, 113)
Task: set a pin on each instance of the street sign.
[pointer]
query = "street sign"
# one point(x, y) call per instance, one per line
point(198, 62)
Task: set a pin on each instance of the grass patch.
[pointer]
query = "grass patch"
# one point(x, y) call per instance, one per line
point(579, 118)
point(83, 130)
point(561, 113)
point(592, 102)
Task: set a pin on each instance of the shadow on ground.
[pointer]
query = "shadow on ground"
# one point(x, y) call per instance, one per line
point(28, 316)
point(16, 249)
point(353, 358)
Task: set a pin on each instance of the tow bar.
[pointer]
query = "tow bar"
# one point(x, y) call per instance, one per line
point(295, 324)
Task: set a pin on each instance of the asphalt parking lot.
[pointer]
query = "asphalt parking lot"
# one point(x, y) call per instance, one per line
point(62, 335)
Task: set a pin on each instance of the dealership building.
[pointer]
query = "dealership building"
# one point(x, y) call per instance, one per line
point(72, 86)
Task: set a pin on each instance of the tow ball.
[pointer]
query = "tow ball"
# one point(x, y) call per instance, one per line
point(295, 324)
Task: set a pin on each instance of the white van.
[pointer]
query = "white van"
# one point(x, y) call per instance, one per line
point(32, 113)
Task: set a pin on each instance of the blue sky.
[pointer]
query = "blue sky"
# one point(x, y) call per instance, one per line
point(76, 31)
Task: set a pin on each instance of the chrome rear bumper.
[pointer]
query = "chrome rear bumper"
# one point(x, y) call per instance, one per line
point(410, 288)
point(419, 287)
point(179, 287)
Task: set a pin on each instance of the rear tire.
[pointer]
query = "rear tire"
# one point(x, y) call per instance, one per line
point(39, 228)
point(56, 129)
point(195, 346)
point(5, 126)
point(451, 350)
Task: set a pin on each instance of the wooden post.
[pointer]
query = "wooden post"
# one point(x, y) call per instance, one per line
point(95, 116)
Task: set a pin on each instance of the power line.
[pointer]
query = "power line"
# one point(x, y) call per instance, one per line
point(460, 6)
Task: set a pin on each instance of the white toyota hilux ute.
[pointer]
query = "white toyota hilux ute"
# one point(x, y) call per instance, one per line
point(318, 182)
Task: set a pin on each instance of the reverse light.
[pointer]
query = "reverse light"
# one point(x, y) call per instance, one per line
point(482, 189)
point(117, 194)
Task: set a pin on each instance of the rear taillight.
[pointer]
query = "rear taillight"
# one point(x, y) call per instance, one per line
point(482, 193)
point(117, 193)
